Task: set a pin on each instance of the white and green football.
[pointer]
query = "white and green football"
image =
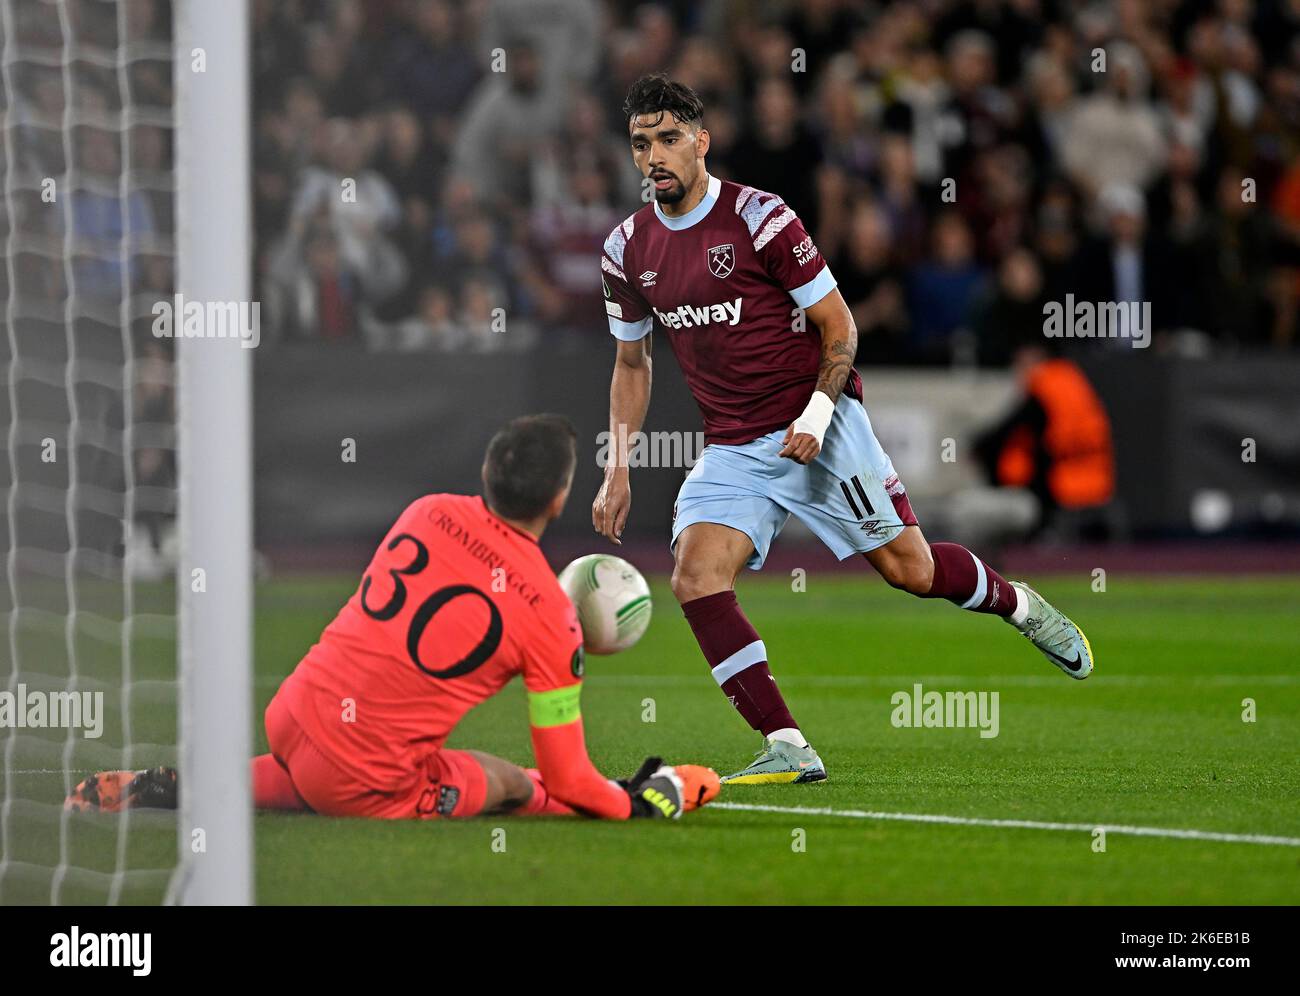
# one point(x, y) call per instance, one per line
point(612, 599)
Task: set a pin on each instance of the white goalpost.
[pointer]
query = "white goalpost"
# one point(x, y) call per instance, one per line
point(125, 489)
point(213, 239)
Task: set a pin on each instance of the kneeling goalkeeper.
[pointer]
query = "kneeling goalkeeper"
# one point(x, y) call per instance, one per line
point(457, 600)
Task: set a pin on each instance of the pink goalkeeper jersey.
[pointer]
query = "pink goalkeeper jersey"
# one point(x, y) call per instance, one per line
point(725, 281)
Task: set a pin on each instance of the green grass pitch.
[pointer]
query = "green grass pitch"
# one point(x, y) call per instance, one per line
point(1155, 738)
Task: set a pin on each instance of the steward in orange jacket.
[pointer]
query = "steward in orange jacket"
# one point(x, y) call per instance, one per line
point(1057, 442)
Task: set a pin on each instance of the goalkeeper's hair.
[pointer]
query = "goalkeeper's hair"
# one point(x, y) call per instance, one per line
point(528, 463)
point(657, 94)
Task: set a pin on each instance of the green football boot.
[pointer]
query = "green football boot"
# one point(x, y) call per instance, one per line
point(1056, 637)
point(780, 763)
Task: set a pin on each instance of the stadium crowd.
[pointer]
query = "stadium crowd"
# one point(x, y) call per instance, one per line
point(429, 172)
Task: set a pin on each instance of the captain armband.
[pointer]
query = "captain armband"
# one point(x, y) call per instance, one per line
point(558, 707)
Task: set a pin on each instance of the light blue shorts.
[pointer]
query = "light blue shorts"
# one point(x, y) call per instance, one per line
point(849, 496)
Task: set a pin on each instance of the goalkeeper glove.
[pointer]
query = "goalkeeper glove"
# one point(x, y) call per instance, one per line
point(655, 790)
point(658, 790)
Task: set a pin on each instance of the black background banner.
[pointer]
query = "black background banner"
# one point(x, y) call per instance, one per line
point(201, 948)
point(420, 423)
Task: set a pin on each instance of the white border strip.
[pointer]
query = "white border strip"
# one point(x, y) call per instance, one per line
point(975, 821)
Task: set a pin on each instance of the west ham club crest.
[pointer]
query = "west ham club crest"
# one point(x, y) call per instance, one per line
point(722, 260)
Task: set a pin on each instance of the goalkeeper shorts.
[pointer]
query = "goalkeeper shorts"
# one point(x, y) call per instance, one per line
point(443, 783)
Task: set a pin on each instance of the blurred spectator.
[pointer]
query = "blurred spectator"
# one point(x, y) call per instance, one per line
point(1186, 115)
point(335, 70)
point(359, 205)
point(872, 285)
point(416, 166)
point(982, 113)
point(1115, 139)
point(925, 93)
point(973, 138)
point(432, 327)
point(151, 548)
point(1011, 28)
point(1287, 279)
point(1239, 239)
point(901, 199)
point(316, 292)
point(777, 152)
point(1054, 104)
point(483, 318)
point(942, 290)
point(476, 252)
point(428, 63)
point(1125, 263)
point(562, 281)
point(38, 138)
point(820, 28)
point(499, 133)
point(103, 222)
point(408, 160)
point(562, 34)
point(1000, 206)
point(845, 140)
point(1012, 316)
point(589, 141)
point(1056, 241)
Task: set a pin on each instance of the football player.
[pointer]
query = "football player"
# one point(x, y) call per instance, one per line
point(766, 344)
point(457, 601)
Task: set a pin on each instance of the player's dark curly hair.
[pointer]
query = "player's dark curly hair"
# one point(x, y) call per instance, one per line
point(528, 463)
point(656, 94)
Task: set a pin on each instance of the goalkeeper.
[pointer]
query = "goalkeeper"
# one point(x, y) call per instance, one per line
point(457, 601)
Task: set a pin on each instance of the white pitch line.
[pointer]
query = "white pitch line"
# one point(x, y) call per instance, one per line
point(36, 771)
point(980, 680)
point(963, 821)
point(975, 821)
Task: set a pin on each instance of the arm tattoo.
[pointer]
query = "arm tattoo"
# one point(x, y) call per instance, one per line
point(838, 352)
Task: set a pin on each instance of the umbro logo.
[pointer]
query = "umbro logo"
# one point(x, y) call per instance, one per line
point(648, 278)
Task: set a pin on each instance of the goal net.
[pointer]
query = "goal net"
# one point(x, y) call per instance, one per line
point(97, 610)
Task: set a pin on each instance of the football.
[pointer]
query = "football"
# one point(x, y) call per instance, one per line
point(612, 599)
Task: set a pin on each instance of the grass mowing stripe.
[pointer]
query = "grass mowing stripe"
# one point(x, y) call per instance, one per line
point(976, 821)
point(1161, 720)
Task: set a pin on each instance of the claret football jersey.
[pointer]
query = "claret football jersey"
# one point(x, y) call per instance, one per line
point(726, 282)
